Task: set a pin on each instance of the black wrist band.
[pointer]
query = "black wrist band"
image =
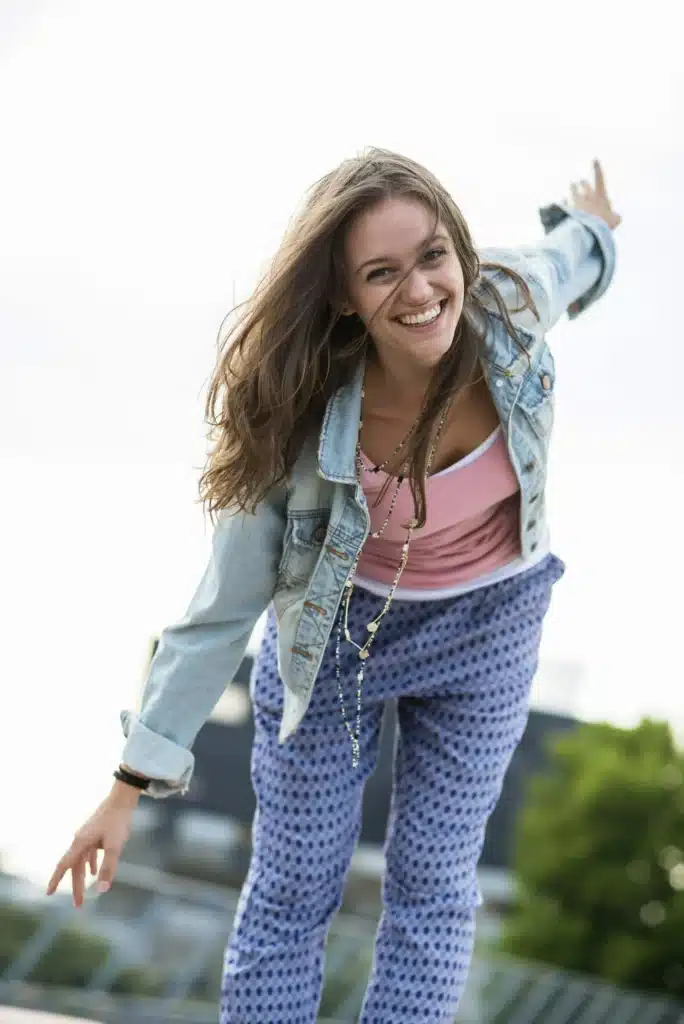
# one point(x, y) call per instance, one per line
point(132, 780)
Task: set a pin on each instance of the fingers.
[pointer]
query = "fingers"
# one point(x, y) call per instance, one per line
point(75, 860)
point(56, 878)
point(79, 854)
point(60, 871)
point(581, 190)
point(599, 178)
point(579, 193)
point(78, 880)
point(585, 188)
point(110, 863)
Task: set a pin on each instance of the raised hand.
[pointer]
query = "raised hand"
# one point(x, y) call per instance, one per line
point(594, 198)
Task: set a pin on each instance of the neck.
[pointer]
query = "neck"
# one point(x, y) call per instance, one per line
point(402, 380)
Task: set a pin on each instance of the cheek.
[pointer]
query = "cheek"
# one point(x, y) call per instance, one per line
point(373, 303)
point(457, 282)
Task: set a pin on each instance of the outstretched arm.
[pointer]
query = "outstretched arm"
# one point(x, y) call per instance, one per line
point(572, 267)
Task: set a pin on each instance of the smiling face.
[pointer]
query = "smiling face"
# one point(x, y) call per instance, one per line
point(395, 239)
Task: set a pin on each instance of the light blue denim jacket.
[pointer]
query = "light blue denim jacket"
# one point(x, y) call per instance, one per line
point(298, 549)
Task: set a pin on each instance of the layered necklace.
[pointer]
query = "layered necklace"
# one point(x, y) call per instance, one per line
point(372, 627)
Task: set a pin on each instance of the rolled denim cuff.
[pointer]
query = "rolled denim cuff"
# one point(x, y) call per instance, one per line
point(168, 765)
point(604, 246)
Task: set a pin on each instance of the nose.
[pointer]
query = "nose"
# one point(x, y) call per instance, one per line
point(416, 289)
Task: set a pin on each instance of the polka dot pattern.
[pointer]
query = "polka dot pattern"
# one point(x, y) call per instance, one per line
point(460, 670)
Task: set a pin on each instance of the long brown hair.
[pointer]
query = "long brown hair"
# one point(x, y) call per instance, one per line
point(291, 349)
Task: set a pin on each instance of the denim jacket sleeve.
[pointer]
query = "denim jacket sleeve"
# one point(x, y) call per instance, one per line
point(567, 271)
point(198, 657)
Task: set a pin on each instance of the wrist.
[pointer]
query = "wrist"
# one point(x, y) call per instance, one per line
point(124, 795)
point(132, 778)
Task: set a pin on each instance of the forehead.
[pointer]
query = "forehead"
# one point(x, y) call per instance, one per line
point(394, 227)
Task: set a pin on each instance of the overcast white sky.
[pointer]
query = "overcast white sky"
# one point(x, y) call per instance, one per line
point(152, 154)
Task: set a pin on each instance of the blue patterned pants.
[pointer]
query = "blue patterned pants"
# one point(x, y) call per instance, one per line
point(461, 671)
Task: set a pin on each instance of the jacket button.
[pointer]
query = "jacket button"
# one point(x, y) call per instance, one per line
point(532, 523)
point(533, 498)
point(320, 534)
point(546, 382)
point(529, 466)
point(533, 547)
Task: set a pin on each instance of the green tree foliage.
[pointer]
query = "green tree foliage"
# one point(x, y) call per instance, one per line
point(17, 925)
point(599, 859)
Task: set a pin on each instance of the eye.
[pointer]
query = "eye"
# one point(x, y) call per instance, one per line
point(431, 256)
point(375, 274)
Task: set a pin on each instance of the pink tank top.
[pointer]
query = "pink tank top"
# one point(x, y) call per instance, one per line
point(472, 525)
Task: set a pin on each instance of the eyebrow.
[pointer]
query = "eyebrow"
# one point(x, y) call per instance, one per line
point(388, 259)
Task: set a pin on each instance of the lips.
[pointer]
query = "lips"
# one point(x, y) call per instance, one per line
point(427, 323)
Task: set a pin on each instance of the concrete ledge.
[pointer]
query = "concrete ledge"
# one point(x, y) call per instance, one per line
point(11, 1015)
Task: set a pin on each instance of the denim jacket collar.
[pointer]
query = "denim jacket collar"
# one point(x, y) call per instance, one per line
point(340, 431)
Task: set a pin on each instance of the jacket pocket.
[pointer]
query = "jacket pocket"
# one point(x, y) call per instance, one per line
point(304, 538)
point(536, 398)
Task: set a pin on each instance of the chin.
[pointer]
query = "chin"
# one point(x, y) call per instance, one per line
point(433, 358)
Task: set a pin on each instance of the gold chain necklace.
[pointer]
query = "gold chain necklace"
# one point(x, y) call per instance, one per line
point(372, 627)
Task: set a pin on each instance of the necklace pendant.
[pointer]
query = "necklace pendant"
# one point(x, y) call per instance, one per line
point(372, 627)
point(363, 655)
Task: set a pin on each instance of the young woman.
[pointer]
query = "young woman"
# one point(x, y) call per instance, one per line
point(381, 416)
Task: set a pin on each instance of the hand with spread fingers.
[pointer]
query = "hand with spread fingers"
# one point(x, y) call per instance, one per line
point(594, 198)
point(107, 829)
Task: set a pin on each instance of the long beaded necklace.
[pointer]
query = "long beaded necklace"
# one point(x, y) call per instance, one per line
point(372, 627)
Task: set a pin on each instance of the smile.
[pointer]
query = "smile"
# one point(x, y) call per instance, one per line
point(429, 316)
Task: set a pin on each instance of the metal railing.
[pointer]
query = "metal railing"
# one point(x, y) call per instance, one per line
point(181, 925)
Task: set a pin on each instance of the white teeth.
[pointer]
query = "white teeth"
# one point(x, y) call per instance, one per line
point(422, 318)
